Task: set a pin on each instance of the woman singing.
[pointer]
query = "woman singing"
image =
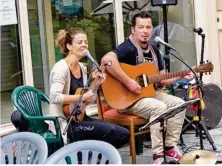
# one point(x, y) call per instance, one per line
point(69, 74)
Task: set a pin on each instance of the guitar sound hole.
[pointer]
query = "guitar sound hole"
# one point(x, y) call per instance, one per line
point(142, 80)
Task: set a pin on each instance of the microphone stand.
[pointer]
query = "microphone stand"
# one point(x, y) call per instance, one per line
point(167, 59)
point(76, 110)
point(197, 119)
point(199, 86)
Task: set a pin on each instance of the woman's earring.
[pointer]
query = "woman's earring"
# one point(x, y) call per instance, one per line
point(71, 51)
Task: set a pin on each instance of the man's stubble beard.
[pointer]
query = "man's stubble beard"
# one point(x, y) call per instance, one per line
point(143, 42)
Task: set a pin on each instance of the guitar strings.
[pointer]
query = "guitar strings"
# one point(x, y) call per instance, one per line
point(95, 82)
point(94, 85)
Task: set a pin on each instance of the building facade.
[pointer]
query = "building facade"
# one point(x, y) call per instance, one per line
point(29, 28)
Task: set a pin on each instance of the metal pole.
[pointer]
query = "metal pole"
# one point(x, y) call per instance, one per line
point(166, 37)
point(167, 61)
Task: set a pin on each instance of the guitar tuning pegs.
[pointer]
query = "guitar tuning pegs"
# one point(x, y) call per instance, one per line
point(207, 61)
point(205, 73)
point(209, 73)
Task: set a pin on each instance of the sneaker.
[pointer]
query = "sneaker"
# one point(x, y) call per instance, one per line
point(174, 154)
point(158, 159)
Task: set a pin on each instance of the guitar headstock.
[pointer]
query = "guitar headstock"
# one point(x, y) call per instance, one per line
point(205, 67)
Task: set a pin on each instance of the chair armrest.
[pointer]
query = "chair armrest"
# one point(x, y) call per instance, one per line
point(50, 118)
point(42, 117)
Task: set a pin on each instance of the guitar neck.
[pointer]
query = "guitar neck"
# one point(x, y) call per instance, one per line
point(96, 83)
point(165, 76)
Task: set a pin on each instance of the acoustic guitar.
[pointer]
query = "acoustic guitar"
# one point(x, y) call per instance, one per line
point(145, 74)
point(94, 86)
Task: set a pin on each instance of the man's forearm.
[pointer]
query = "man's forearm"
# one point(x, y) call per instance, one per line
point(115, 69)
point(170, 81)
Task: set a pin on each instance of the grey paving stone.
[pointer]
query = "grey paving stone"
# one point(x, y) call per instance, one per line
point(189, 139)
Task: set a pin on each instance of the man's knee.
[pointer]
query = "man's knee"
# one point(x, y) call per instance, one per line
point(159, 108)
point(181, 101)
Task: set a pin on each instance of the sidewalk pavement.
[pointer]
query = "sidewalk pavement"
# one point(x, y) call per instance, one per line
point(189, 140)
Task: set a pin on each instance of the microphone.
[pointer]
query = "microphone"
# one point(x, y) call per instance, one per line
point(159, 40)
point(89, 56)
point(198, 30)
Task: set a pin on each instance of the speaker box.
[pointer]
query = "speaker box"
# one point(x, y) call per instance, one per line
point(163, 2)
point(212, 96)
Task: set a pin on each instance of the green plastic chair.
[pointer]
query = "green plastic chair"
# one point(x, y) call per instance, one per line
point(27, 100)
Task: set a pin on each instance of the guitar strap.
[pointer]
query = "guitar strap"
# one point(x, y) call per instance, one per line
point(154, 56)
point(141, 52)
point(155, 61)
point(141, 58)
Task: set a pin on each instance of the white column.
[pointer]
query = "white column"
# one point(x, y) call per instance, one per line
point(118, 21)
point(206, 18)
point(23, 24)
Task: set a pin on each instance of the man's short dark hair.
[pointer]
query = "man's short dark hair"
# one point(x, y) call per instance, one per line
point(141, 14)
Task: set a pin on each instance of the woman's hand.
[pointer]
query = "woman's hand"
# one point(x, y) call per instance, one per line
point(89, 97)
point(97, 75)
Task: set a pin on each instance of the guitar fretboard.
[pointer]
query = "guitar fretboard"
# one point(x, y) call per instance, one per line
point(96, 82)
point(158, 78)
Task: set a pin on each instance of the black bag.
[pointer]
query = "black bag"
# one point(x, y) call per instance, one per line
point(20, 123)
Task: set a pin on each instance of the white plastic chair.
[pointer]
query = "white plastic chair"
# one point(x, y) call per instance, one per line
point(86, 152)
point(23, 148)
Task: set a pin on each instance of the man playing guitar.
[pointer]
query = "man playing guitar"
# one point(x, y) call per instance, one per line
point(134, 51)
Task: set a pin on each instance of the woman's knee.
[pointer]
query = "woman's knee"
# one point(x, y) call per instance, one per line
point(110, 130)
point(123, 132)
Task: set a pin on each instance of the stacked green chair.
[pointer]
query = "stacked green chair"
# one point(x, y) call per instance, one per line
point(28, 100)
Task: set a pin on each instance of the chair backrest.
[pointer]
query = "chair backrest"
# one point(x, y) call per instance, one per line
point(27, 100)
point(86, 152)
point(23, 148)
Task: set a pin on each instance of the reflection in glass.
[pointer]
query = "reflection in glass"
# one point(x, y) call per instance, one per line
point(100, 28)
point(11, 72)
point(180, 28)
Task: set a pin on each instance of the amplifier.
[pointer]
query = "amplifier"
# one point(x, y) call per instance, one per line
point(212, 96)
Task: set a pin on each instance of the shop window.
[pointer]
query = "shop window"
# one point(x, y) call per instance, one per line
point(99, 27)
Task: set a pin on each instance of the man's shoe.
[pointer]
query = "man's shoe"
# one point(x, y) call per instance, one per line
point(158, 159)
point(173, 154)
